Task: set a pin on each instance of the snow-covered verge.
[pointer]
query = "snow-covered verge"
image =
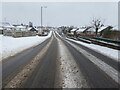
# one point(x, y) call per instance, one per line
point(104, 50)
point(110, 71)
point(10, 46)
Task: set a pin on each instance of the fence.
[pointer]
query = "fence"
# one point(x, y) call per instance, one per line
point(19, 33)
point(108, 40)
point(99, 41)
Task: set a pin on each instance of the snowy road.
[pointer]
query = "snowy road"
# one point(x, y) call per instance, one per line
point(60, 63)
point(13, 65)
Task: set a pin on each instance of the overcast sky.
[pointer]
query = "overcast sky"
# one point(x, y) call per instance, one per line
point(60, 13)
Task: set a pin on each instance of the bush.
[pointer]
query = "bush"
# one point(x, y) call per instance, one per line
point(111, 34)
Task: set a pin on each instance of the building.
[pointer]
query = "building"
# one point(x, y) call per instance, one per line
point(103, 29)
point(73, 31)
point(80, 31)
point(21, 28)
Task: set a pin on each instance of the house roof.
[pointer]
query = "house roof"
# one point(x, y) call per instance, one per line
point(29, 28)
point(10, 26)
point(73, 30)
point(1, 28)
point(91, 29)
point(80, 30)
point(102, 28)
point(36, 29)
point(99, 30)
point(21, 27)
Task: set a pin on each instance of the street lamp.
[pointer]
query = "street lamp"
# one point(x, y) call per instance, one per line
point(41, 13)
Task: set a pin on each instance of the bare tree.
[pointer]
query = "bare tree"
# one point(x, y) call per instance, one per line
point(97, 24)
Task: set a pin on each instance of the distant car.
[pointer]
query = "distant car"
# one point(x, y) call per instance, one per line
point(43, 34)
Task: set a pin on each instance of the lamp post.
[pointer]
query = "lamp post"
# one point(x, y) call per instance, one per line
point(41, 13)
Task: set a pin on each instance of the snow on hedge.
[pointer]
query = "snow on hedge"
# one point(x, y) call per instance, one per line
point(10, 46)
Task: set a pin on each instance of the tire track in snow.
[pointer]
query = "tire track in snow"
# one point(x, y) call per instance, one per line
point(71, 75)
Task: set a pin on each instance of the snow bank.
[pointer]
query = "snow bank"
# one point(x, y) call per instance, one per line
point(104, 50)
point(11, 46)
